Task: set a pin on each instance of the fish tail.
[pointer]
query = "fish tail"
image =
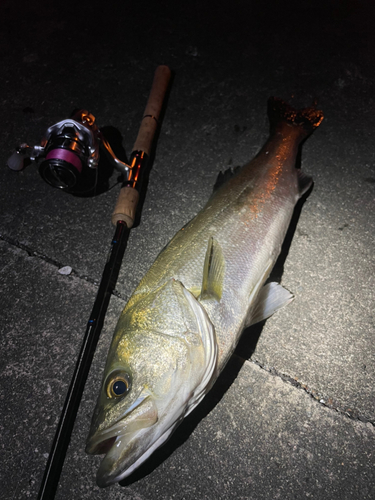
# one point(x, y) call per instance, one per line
point(280, 112)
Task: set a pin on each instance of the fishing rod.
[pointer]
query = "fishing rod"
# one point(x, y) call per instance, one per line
point(70, 156)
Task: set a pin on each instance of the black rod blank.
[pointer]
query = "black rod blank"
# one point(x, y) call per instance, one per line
point(94, 326)
point(123, 219)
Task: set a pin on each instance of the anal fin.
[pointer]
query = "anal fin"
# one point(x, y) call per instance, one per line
point(271, 298)
point(304, 182)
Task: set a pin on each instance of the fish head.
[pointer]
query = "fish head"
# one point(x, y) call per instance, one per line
point(161, 360)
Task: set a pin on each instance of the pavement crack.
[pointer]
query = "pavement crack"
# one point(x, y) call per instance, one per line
point(33, 253)
point(30, 252)
point(320, 398)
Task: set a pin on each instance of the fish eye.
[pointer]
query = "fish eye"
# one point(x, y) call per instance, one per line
point(118, 384)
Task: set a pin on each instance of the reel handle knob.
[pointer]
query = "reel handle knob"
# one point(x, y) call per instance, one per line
point(16, 161)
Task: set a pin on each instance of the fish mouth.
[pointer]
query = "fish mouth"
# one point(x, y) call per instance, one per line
point(101, 447)
point(122, 444)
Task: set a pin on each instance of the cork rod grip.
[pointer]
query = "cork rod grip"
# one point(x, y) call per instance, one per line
point(127, 201)
point(153, 108)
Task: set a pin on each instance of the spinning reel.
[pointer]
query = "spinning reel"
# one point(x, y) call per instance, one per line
point(68, 155)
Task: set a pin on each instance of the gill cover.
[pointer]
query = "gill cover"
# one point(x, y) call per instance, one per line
point(160, 365)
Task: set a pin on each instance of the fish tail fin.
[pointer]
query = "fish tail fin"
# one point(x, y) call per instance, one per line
point(280, 112)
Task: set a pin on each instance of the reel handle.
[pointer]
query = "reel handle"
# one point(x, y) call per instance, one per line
point(127, 201)
point(16, 161)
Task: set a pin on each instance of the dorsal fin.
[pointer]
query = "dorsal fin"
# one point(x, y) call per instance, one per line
point(223, 177)
point(213, 271)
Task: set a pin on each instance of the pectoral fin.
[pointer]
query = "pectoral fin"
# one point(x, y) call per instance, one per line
point(271, 298)
point(213, 271)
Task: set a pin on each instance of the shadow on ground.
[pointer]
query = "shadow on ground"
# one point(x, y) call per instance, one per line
point(243, 352)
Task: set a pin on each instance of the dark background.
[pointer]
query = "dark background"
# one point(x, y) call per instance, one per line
point(293, 415)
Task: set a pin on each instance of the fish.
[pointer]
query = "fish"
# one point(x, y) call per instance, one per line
point(183, 321)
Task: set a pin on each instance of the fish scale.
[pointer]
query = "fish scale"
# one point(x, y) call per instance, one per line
point(265, 191)
point(183, 321)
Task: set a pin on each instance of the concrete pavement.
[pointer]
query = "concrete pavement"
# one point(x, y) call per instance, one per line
point(293, 414)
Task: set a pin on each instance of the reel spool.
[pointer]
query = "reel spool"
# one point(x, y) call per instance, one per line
point(68, 155)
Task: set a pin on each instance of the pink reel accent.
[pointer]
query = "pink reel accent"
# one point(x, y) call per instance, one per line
point(68, 156)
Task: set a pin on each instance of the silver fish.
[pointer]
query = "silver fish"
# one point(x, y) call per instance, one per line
point(183, 321)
